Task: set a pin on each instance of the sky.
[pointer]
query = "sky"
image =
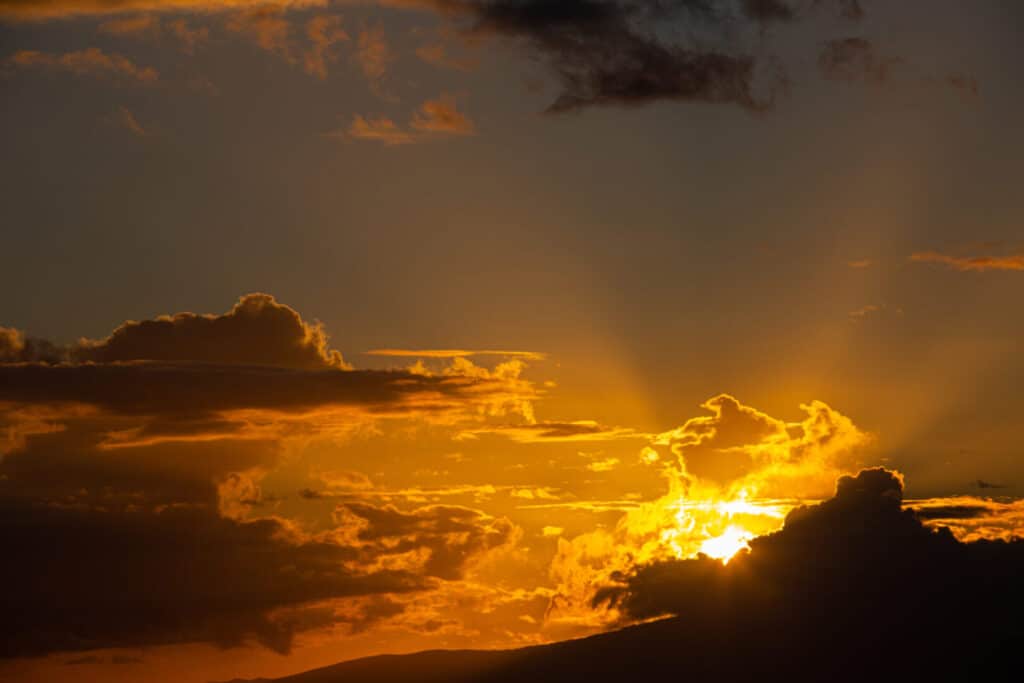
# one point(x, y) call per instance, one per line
point(333, 328)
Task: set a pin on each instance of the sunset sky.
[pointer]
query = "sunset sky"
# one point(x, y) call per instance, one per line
point(338, 327)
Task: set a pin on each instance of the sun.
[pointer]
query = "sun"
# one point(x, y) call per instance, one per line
point(724, 546)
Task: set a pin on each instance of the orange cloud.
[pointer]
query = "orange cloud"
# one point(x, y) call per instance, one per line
point(437, 54)
point(267, 26)
point(189, 38)
point(323, 31)
point(434, 118)
point(126, 119)
point(56, 9)
point(126, 26)
point(454, 353)
point(380, 129)
point(442, 116)
point(258, 371)
point(91, 61)
point(549, 432)
point(374, 55)
point(971, 263)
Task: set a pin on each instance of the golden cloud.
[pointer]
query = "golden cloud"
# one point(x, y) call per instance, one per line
point(971, 263)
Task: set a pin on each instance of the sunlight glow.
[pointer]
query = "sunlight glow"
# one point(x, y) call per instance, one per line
point(728, 544)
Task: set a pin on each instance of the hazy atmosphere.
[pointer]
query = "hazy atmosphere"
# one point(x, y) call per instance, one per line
point(337, 328)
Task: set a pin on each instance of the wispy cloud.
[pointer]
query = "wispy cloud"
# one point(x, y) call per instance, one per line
point(433, 119)
point(88, 62)
point(971, 263)
point(455, 353)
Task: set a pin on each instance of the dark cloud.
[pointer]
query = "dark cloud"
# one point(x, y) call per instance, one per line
point(256, 331)
point(15, 347)
point(769, 10)
point(951, 512)
point(81, 579)
point(609, 52)
point(855, 60)
point(235, 375)
point(982, 484)
point(131, 512)
point(853, 589)
point(858, 573)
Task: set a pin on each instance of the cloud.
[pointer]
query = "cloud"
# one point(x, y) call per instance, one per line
point(743, 448)
point(188, 38)
point(442, 116)
point(256, 331)
point(433, 119)
point(454, 353)
point(323, 31)
point(88, 62)
point(614, 53)
point(971, 518)
point(857, 573)
point(133, 492)
point(267, 26)
point(131, 26)
point(28, 10)
point(964, 83)
point(970, 263)
point(548, 432)
point(126, 119)
point(861, 263)
point(732, 474)
point(435, 540)
point(438, 55)
point(380, 129)
point(854, 60)
point(257, 371)
point(92, 578)
point(864, 312)
point(374, 55)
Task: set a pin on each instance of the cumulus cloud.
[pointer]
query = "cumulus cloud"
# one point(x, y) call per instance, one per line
point(258, 370)
point(132, 492)
point(855, 573)
point(256, 331)
point(743, 448)
point(732, 474)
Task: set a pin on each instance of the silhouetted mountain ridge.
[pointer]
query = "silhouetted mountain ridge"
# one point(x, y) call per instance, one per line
point(853, 589)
